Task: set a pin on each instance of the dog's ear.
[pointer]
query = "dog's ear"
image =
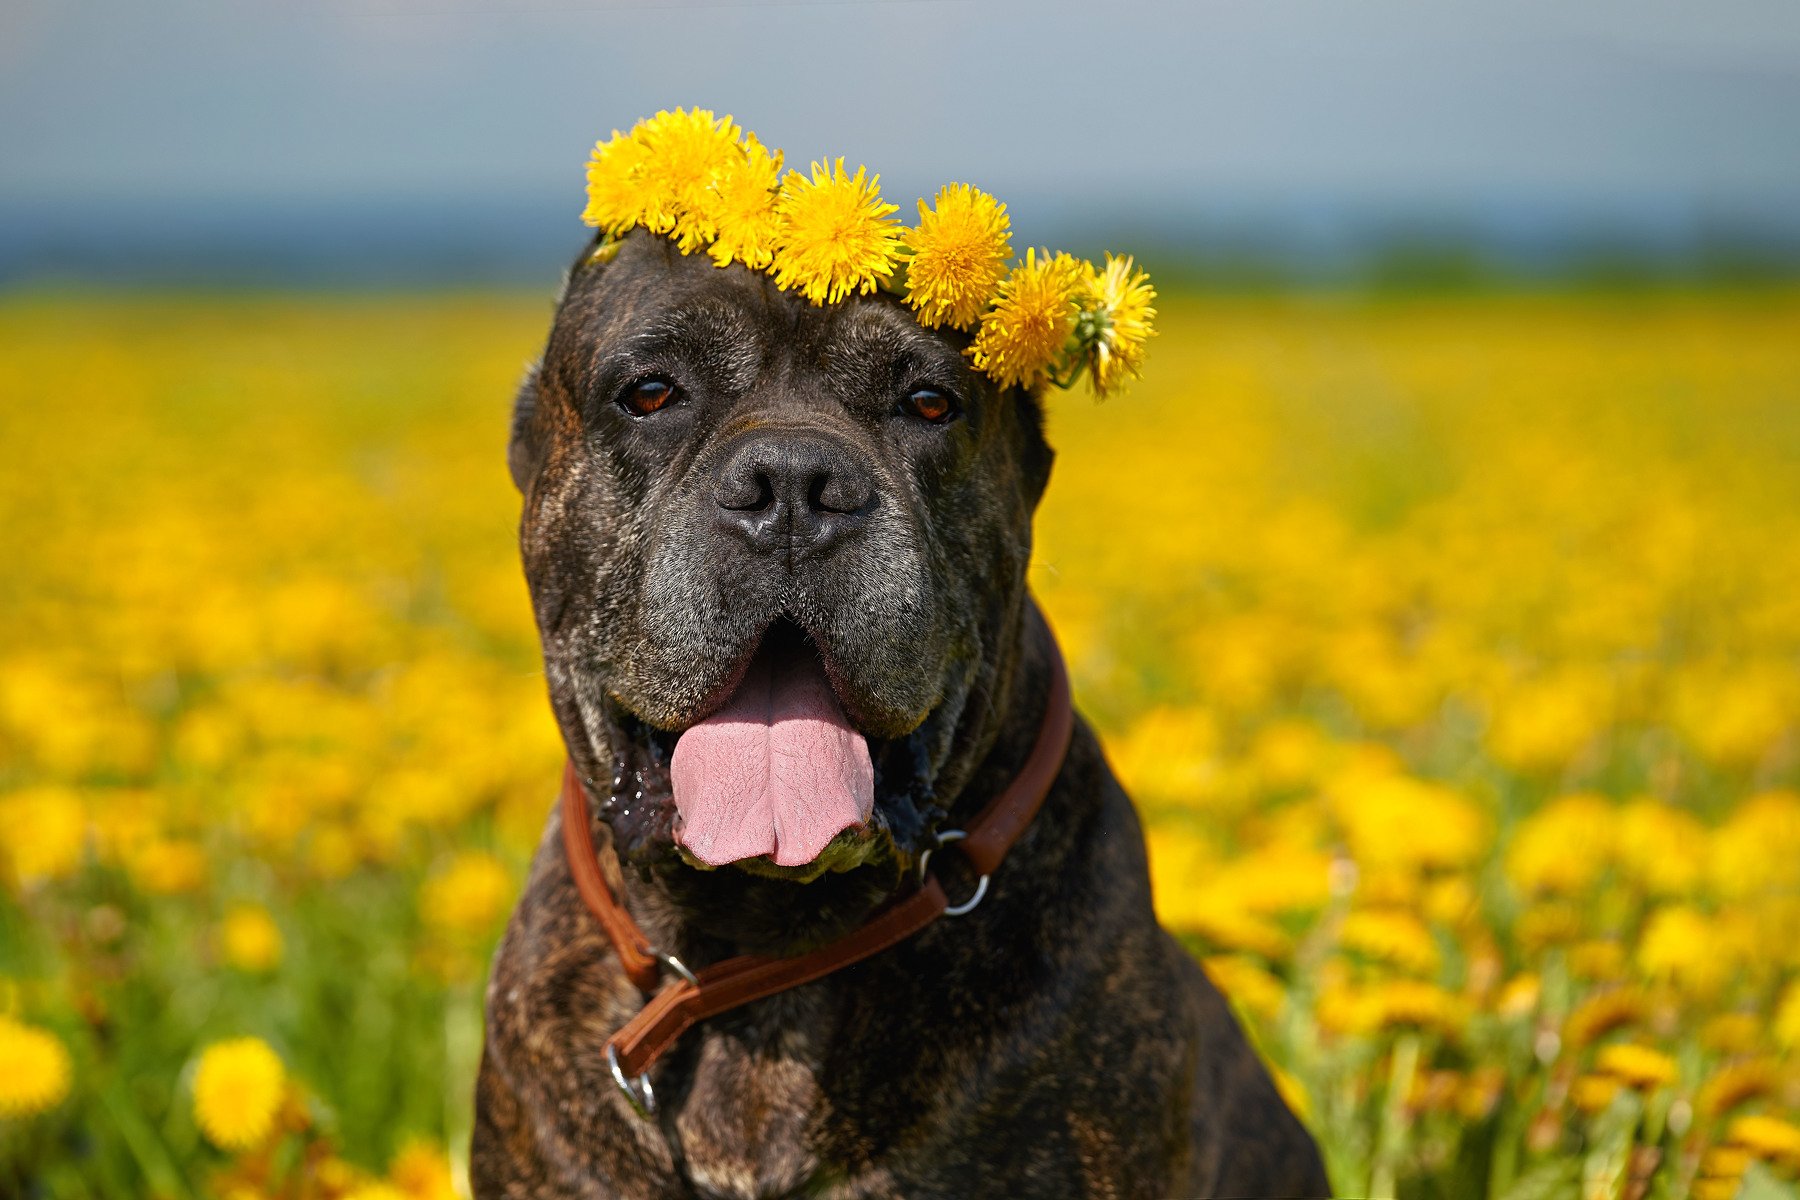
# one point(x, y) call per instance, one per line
point(523, 450)
point(599, 251)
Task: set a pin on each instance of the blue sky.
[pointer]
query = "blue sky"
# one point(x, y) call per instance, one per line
point(185, 116)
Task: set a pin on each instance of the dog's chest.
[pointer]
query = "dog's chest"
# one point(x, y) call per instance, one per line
point(745, 1120)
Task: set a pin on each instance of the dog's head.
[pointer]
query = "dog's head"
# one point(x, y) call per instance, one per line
point(776, 552)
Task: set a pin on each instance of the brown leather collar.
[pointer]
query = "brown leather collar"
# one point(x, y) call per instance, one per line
point(695, 996)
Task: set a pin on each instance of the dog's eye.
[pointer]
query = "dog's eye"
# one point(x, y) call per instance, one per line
point(929, 404)
point(647, 395)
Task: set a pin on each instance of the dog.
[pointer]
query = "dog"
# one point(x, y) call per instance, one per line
point(736, 504)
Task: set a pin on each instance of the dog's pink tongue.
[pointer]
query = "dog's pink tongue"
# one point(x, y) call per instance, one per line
point(777, 771)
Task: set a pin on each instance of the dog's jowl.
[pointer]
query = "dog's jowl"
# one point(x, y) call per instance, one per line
point(777, 553)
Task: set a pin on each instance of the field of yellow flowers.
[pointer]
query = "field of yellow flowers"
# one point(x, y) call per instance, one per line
point(1450, 646)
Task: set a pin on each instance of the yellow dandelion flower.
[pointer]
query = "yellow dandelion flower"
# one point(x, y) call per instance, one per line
point(957, 256)
point(1768, 933)
point(1735, 717)
point(1736, 1084)
point(1636, 1066)
point(1723, 1165)
point(1600, 959)
point(1599, 1015)
point(334, 850)
point(1754, 850)
point(422, 1172)
point(1682, 945)
point(1545, 925)
point(1114, 324)
point(165, 866)
point(1655, 846)
point(1179, 860)
point(1394, 1004)
point(1519, 997)
point(684, 153)
point(1343, 1009)
point(1712, 1187)
point(43, 834)
point(1276, 878)
point(616, 193)
point(740, 206)
point(1787, 1017)
point(1217, 919)
point(34, 1070)
point(1768, 1138)
point(1394, 822)
point(375, 1190)
point(1732, 1032)
point(237, 1092)
point(1451, 901)
point(1392, 936)
point(1246, 984)
point(659, 174)
point(1170, 755)
point(1031, 322)
point(468, 896)
point(1543, 724)
point(1412, 1003)
point(837, 235)
point(1593, 1093)
point(335, 1176)
point(1289, 753)
point(249, 938)
point(1564, 846)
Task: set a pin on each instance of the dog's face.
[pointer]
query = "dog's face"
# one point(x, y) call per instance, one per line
point(773, 550)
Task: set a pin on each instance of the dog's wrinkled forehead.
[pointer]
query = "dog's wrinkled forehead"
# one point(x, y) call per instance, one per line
point(652, 310)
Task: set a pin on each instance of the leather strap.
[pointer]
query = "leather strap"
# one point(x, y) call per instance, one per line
point(726, 985)
point(628, 941)
point(735, 981)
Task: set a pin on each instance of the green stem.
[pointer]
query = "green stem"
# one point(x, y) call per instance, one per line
point(146, 1148)
point(1403, 1067)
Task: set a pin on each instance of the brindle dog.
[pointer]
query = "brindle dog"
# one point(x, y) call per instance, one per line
point(714, 470)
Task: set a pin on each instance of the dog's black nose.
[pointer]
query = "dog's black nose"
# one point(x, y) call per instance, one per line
point(793, 493)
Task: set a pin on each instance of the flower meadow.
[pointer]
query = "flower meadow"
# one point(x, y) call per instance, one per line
point(1450, 647)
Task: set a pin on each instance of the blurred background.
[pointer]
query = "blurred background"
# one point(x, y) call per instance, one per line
point(379, 142)
point(1454, 661)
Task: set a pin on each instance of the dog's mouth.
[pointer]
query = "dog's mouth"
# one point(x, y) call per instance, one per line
point(776, 779)
point(776, 771)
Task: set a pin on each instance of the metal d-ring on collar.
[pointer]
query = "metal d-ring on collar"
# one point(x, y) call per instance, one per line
point(674, 964)
point(638, 1092)
point(944, 838)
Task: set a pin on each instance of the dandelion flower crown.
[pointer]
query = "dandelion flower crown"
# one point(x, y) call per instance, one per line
point(707, 184)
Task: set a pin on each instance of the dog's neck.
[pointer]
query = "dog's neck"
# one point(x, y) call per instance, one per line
point(705, 916)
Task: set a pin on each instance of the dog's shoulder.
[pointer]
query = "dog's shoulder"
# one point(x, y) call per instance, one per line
point(1162, 1028)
